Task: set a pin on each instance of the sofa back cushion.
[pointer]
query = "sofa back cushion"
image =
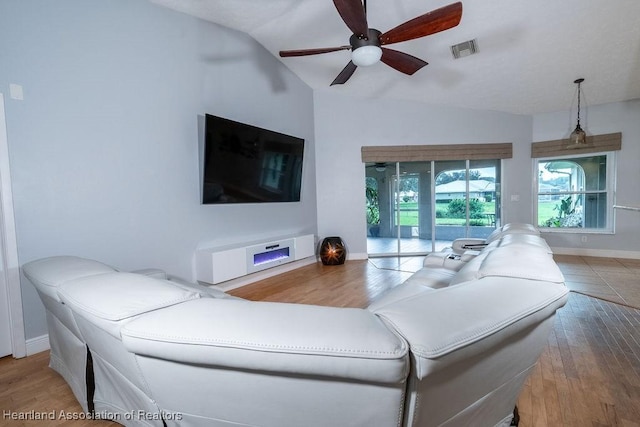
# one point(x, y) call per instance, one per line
point(470, 270)
point(48, 274)
point(522, 262)
point(512, 228)
point(272, 337)
point(107, 299)
point(524, 240)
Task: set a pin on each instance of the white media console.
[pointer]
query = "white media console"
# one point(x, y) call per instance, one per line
point(217, 265)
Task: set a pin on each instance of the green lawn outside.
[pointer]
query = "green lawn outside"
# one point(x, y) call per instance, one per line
point(409, 214)
point(547, 210)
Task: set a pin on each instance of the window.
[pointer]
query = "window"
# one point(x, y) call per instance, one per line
point(575, 194)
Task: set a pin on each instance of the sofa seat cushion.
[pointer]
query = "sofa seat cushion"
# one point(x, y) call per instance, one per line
point(109, 298)
point(400, 292)
point(470, 270)
point(272, 337)
point(427, 279)
point(432, 277)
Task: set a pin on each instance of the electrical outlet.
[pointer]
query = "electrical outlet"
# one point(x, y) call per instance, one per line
point(583, 239)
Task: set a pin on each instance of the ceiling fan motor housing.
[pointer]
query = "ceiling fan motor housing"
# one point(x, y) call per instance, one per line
point(372, 39)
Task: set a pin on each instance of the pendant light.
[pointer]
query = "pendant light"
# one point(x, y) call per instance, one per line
point(578, 138)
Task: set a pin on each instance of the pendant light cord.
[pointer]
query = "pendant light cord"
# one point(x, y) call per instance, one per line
point(579, 81)
point(578, 104)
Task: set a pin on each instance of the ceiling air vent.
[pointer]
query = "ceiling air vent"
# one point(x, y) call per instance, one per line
point(463, 49)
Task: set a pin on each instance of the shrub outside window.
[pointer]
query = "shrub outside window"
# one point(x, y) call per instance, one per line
point(575, 194)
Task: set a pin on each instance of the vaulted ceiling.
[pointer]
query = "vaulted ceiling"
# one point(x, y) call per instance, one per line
point(530, 52)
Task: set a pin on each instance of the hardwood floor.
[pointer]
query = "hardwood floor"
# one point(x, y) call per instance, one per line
point(588, 375)
point(30, 390)
point(354, 284)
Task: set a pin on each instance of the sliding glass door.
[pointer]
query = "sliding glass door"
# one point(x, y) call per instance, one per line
point(399, 208)
point(467, 194)
point(414, 208)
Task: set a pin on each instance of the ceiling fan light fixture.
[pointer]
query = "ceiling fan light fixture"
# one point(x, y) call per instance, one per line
point(380, 167)
point(365, 56)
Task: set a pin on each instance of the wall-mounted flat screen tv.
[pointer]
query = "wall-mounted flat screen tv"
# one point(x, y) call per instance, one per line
point(248, 164)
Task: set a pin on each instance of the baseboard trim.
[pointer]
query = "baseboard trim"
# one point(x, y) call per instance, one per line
point(603, 253)
point(37, 344)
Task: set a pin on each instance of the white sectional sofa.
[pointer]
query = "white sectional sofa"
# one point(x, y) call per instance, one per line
point(461, 246)
point(448, 347)
point(68, 353)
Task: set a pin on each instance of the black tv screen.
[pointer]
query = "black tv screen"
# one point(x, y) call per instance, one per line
point(248, 164)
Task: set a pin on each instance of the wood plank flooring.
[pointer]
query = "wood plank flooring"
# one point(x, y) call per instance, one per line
point(30, 389)
point(588, 375)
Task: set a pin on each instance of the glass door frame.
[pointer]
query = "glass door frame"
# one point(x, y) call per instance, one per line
point(395, 211)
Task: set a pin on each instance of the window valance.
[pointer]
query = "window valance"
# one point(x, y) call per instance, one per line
point(420, 153)
point(558, 148)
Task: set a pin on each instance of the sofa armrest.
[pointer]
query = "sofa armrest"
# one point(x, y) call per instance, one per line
point(474, 311)
point(273, 337)
point(460, 245)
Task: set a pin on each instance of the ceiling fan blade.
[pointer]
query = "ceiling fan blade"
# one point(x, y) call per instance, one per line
point(345, 74)
point(401, 61)
point(432, 22)
point(353, 14)
point(305, 52)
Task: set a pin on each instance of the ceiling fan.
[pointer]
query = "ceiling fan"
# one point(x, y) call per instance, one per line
point(378, 166)
point(366, 43)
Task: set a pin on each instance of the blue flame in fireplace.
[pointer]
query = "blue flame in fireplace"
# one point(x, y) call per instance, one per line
point(270, 256)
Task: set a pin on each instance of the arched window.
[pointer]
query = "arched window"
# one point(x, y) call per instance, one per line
point(575, 192)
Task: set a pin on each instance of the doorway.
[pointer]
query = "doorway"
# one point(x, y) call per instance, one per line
point(414, 208)
point(12, 339)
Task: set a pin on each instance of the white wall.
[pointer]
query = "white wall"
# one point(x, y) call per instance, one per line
point(602, 119)
point(343, 125)
point(104, 147)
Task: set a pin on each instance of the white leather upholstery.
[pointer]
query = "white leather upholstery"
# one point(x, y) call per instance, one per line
point(461, 245)
point(475, 341)
point(68, 354)
point(101, 306)
point(68, 347)
point(287, 364)
point(445, 348)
